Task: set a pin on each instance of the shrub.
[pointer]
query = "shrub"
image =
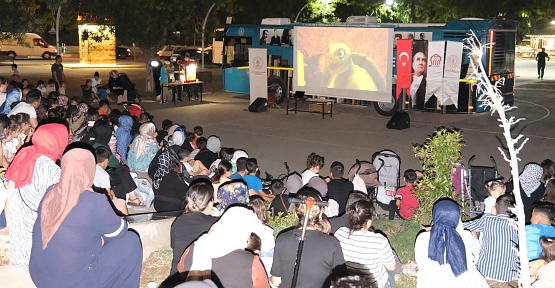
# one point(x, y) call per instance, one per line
point(279, 223)
point(438, 156)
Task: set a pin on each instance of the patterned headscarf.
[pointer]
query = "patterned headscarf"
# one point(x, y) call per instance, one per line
point(123, 136)
point(82, 108)
point(530, 178)
point(146, 131)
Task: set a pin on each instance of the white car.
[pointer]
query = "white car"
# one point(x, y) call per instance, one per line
point(167, 51)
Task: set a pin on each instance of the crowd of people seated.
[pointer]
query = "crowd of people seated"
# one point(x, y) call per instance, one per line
point(68, 182)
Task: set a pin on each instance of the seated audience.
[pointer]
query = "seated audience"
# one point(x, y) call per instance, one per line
point(241, 167)
point(204, 155)
point(322, 260)
point(76, 227)
point(405, 200)
point(280, 204)
point(239, 153)
point(104, 108)
point(253, 182)
point(446, 254)
point(263, 231)
point(123, 136)
point(169, 181)
point(367, 253)
point(543, 215)
point(548, 170)
point(102, 178)
point(32, 102)
point(232, 192)
point(549, 195)
point(194, 222)
point(531, 188)
point(314, 163)
point(339, 187)
point(221, 176)
point(97, 87)
point(198, 131)
point(495, 189)
point(499, 243)
point(143, 148)
point(51, 87)
point(542, 271)
point(193, 167)
point(161, 134)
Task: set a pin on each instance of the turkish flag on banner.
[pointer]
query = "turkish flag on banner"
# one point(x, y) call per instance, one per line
point(403, 64)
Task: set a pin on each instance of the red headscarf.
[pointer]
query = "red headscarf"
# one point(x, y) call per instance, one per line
point(49, 140)
point(78, 168)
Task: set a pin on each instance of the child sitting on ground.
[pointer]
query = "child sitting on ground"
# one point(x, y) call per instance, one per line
point(543, 215)
point(405, 201)
point(495, 189)
point(198, 133)
point(542, 271)
point(42, 88)
point(500, 242)
point(88, 89)
point(281, 200)
point(102, 178)
point(314, 163)
point(51, 87)
point(254, 184)
point(62, 89)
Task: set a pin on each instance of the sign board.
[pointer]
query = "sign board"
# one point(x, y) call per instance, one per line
point(258, 73)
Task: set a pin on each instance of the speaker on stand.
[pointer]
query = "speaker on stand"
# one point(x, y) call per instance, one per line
point(399, 120)
point(259, 105)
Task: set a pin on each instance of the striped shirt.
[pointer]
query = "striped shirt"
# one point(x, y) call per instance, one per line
point(498, 259)
point(366, 254)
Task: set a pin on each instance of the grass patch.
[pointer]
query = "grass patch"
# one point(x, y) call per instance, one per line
point(156, 267)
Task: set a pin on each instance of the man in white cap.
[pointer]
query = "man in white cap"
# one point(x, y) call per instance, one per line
point(167, 93)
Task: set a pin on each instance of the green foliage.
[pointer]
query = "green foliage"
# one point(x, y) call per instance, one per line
point(438, 156)
point(279, 223)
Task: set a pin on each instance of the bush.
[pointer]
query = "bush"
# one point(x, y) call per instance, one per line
point(438, 155)
point(279, 223)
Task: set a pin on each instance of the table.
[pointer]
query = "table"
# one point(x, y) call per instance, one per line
point(324, 102)
point(174, 85)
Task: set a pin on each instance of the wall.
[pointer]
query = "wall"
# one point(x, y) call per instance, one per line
point(93, 52)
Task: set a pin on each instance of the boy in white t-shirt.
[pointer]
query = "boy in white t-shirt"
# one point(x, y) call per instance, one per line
point(102, 178)
point(42, 88)
point(495, 189)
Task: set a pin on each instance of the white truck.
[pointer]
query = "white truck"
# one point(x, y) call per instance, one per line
point(31, 46)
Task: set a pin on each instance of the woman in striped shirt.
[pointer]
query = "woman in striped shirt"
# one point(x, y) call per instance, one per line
point(367, 254)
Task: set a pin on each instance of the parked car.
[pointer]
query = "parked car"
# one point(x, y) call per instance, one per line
point(194, 54)
point(123, 52)
point(168, 50)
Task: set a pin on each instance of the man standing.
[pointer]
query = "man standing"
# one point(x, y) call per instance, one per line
point(58, 72)
point(540, 57)
point(156, 67)
point(167, 92)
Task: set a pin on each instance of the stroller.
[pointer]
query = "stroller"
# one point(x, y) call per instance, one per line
point(475, 187)
point(389, 174)
point(369, 174)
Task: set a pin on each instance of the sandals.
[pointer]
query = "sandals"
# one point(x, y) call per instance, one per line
point(135, 202)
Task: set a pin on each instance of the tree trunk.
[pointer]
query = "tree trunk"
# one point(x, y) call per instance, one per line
point(150, 55)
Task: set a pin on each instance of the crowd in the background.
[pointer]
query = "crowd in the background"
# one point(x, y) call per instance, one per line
point(71, 172)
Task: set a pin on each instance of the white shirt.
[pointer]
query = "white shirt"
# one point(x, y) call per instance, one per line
point(24, 108)
point(416, 80)
point(95, 83)
point(11, 147)
point(489, 202)
point(3, 97)
point(101, 178)
point(42, 90)
point(307, 175)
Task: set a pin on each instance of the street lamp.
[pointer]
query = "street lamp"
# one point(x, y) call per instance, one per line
point(58, 30)
point(299, 14)
point(552, 22)
point(389, 3)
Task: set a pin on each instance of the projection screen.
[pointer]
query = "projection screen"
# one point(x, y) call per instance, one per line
point(344, 62)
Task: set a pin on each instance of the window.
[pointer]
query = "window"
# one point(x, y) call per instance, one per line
point(237, 50)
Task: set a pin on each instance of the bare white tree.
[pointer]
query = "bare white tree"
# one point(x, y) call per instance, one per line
point(491, 96)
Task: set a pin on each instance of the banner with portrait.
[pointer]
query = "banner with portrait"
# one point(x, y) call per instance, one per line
point(276, 37)
point(258, 78)
point(451, 73)
point(419, 73)
point(436, 51)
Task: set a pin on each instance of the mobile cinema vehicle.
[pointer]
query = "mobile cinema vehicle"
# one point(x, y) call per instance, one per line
point(371, 48)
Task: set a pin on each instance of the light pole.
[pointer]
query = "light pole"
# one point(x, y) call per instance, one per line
point(299, 14)
point(203, 27)
point(58, 30)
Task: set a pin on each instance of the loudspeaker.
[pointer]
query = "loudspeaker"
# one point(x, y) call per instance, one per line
point(399, 120)
point(259, 105)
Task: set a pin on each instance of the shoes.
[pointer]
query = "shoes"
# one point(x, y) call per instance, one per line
point(164, 102)
point(542, 78)
point(180, 100)
point(95, 100)
point(538, 77)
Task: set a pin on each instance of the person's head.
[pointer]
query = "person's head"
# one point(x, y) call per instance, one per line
point(40, 84)
point(145, 117)
point(422, 36)
point(543, 213)
point(495, 188)
point(200, 198)
point(259, 207)
point(410, 177)
point(96, 75)
point(16, 124)
point(503, 203)
point(252, 166)
point(277, 187)
point(114, 74)
point(355, 196)
point(543, 49)
point(264, 34)
point(4, 124)
point(548, 169)
point(88, 83)
point(63, 84)
point(166, 124)
point(3, 84)
point(530, 178)
point(25, 82)
point(213, 144)
point(148, 129)
point(74, 101)
point(183, 154)
point(419, 63)
point(201, 143)
point(255, 244)
point(314, 162)
point(548, 249)
point(242, 164)
point(104, 105)
point(198, 131)
point(33, 98)
point(102, 156)
point(549, 194)
point(58, 59)
point(14, 66)
point(25, 121)
point(360, 215)
point(226, 153)
point(314, 215)
point(337, 170)
point(51, 82)
point(223, 170)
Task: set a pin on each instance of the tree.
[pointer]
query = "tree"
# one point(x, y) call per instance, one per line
point(17, 17)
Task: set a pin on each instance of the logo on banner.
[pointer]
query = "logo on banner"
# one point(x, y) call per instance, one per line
point(435, 60)
point(405, 60)
point(258, 62)
point(453, 64)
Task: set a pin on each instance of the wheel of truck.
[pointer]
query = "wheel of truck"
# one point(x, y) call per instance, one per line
point(11, 54)
point(277, 84)
point(387, 109)
point(46, 55)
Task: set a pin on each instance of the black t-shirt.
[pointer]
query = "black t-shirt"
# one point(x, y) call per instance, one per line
point(338, 222)
point(161, 135)
point(527, 201)
point(277, 206)
point(207, 157)
point(338, 190)
point(58, 70)
point(185, 230)
point(541, 57)
point(322, 259)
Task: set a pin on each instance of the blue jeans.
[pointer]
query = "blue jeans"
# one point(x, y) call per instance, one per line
point(102, 93)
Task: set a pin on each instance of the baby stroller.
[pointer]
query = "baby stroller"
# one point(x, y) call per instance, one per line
point(476, 190)
point(389, 174)
point(369, 174)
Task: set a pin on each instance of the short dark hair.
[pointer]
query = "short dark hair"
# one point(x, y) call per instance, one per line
point(198, 130)
point(51, 81)
point(355, 197)
point(102, 153)
point(410, 176)
point(251, 166)
point(182, 153)
point(201, 143)
point(314, 160)
point(337, 169)
point(14, 65)
point(276, 187)
point(40, 82)
point(58, 57)
point(241, 164)
point(33, 96)
point(503, 203)
point(546, 209)
point(103, 103)
point(167, 124)
point(227, 153)
point(145, 116)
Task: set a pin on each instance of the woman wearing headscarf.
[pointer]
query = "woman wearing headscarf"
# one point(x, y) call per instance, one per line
point(446, 254)
point(32, 171)
point(531, 188)
point(78, 240)
point(210, 256)
point(170, 180)
point(123, 136)
point(78, 117)
point(86, 125)
point(143, 149)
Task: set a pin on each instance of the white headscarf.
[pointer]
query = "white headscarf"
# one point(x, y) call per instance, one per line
point(239, 154)
point(146, 131)
point(230, 233)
